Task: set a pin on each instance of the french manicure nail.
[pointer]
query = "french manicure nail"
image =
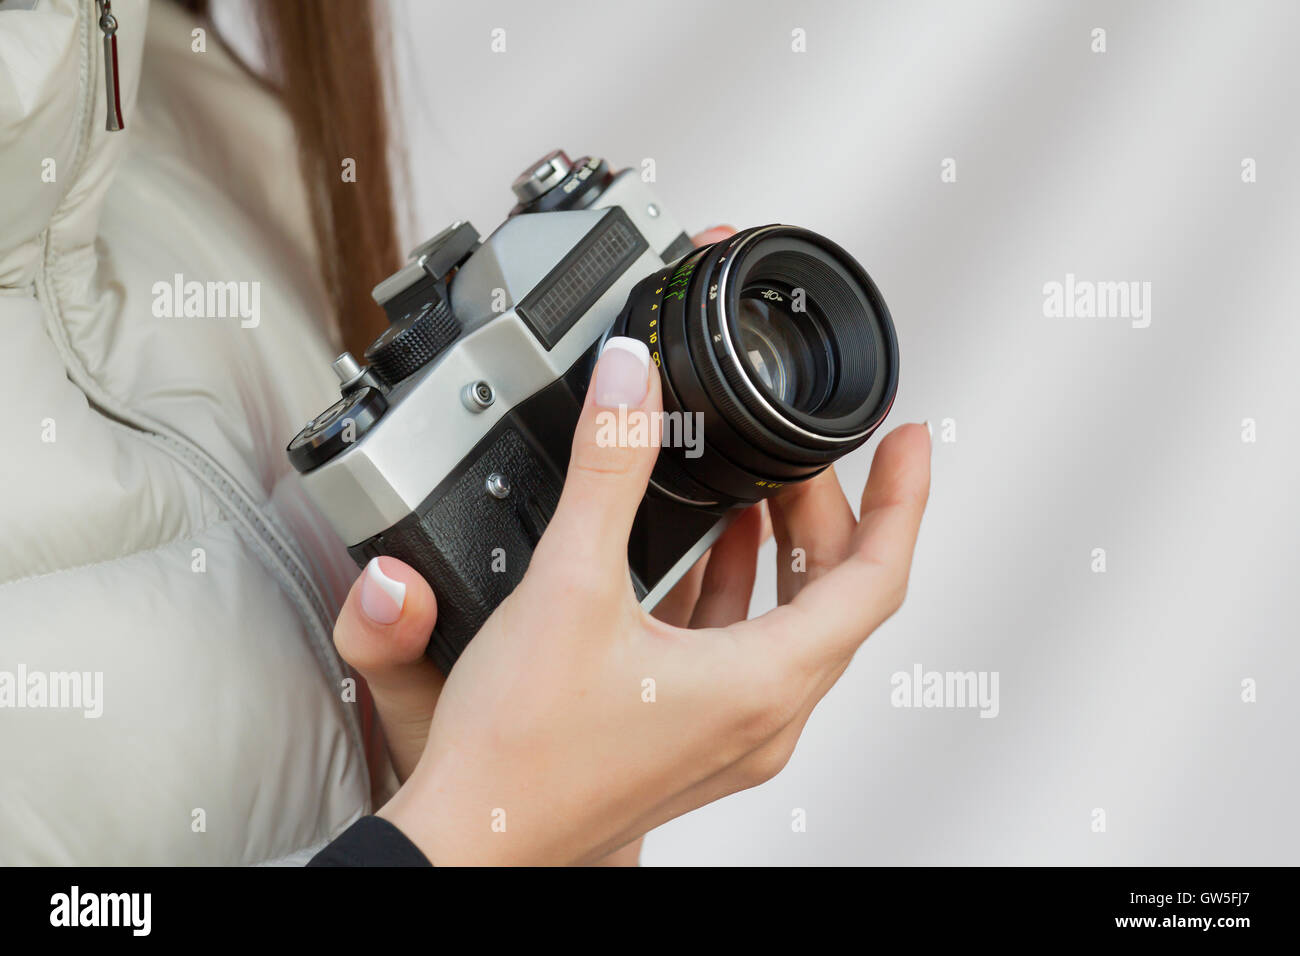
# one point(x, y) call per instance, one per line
point(381, 596)
point(622, 372)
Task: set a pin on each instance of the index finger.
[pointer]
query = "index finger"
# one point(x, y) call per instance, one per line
point(713, 234)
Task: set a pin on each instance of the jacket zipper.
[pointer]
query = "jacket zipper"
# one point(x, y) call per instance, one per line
point(108, 24)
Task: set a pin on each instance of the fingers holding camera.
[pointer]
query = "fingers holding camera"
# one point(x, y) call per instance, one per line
point(813, 524)
point(580, 760)
point(728, 582)
point(679, 603)
point(838, 611)
point(678, 606)
point(801, 649)
point(614, 449)
point(713, 234)
point(895, 497)
point(382, 632)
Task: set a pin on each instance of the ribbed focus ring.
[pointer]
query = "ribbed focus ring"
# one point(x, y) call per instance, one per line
point(411, 343)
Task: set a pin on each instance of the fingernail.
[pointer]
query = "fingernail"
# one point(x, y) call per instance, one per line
point(621, 373)
point(928, 430)
point(381, 596)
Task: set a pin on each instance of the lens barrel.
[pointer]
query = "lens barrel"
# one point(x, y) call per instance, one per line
point(781, 343)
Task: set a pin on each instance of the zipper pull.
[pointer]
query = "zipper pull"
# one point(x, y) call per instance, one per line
point(108, 23)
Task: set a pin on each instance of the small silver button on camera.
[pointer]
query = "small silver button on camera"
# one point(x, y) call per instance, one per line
point(498, 485)
point(478, 396)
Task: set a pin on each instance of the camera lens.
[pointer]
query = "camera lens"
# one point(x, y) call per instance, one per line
point(779, 343)
point(788, 354)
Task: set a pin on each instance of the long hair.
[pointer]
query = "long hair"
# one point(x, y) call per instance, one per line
point(329, 63)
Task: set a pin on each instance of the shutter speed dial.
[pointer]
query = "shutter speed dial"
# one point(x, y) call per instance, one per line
point(556, 182)
point(412, 342)
point(542, 176)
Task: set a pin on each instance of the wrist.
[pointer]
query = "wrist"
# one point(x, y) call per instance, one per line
point(454, 824)
point(435, 813)
point(412, 811)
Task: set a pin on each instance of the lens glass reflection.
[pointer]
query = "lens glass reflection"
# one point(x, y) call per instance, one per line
point(786, 350)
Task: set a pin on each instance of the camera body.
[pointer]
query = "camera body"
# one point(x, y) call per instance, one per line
point(448, 449)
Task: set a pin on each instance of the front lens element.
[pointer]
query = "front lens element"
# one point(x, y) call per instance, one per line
point(780, 344)
point(786, 349)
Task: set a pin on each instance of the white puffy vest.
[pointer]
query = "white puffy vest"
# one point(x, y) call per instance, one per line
point(169, 692)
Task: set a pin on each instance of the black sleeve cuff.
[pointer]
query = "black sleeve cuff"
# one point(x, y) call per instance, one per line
point(371, 841)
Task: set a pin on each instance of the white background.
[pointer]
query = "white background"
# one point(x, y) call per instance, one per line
point(1121, 690)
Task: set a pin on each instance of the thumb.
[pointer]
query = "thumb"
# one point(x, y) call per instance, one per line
point(382, 633)
point(614, 450)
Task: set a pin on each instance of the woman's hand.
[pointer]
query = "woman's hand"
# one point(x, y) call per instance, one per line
point(385, 624)
point(546, 745)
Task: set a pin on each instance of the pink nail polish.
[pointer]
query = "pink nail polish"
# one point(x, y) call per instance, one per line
point(381, 596)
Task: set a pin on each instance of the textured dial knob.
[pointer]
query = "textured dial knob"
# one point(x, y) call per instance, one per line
point(413, 342)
